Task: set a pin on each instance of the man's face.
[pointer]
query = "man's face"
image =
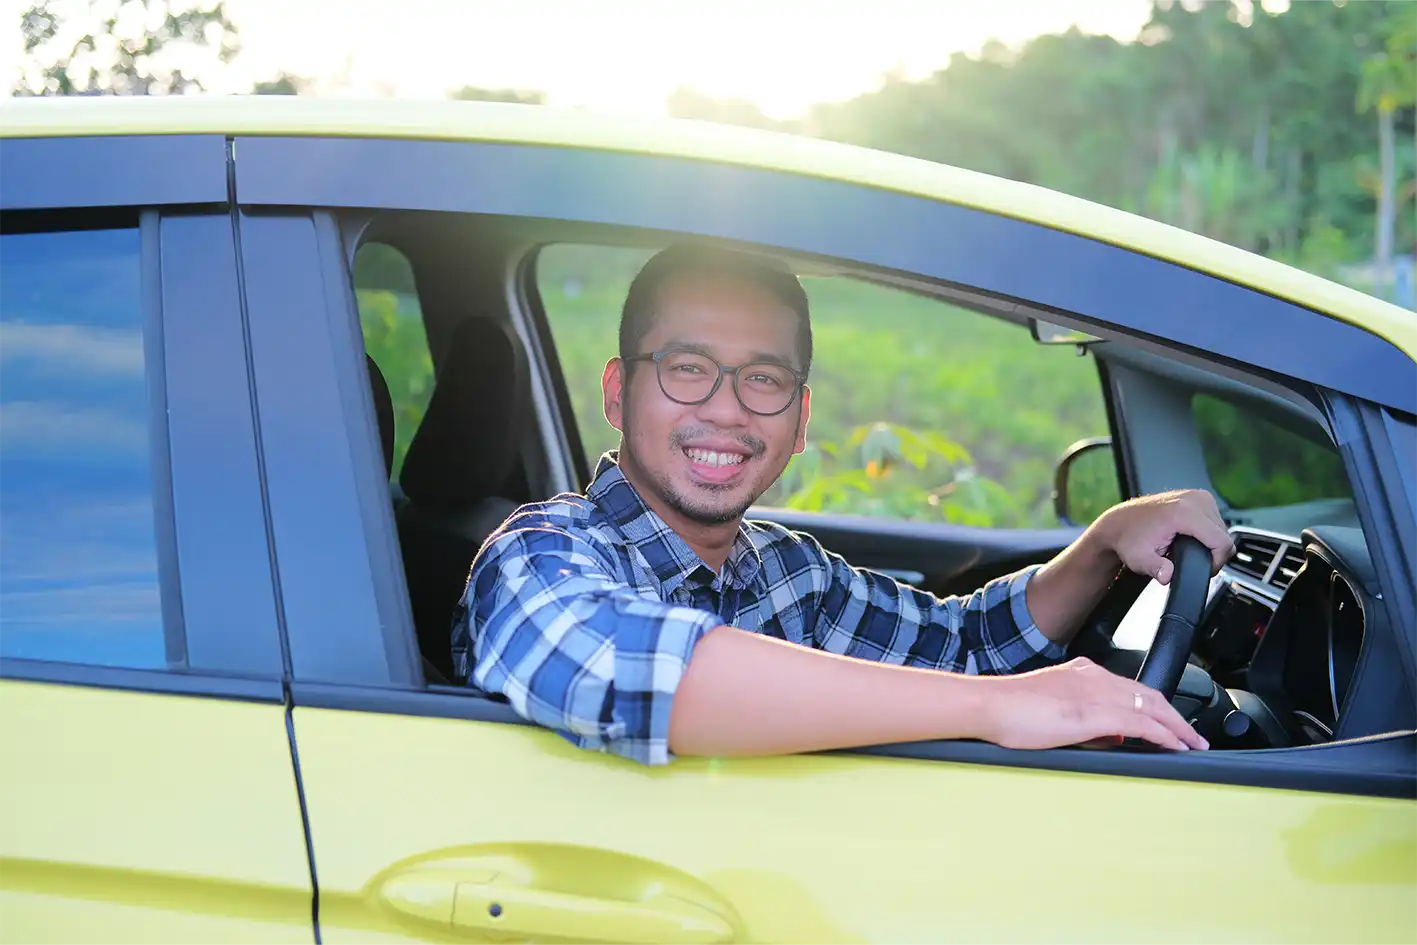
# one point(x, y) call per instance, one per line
point(709, 462)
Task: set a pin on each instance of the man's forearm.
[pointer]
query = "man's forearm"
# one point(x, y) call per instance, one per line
point(1066, 589)
point(747, 694)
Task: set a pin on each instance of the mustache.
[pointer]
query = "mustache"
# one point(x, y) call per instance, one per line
point(682, 437)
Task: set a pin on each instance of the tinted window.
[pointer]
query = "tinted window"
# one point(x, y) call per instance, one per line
point(1258, 462)
point(78, 555)
point(920, 409)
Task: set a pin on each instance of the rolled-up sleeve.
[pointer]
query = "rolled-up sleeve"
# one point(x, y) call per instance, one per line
point(866, 614)
point(572, 648)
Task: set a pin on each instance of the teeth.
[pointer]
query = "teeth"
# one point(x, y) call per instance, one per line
point(711, 458)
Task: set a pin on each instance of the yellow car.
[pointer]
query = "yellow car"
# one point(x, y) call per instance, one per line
point(233, 526)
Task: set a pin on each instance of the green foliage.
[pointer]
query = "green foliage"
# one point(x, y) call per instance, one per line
point(471, 93)
point(1223, 118)
point(1216, 192)
point(1258, 463)
point(890, 471)
point(122, 47)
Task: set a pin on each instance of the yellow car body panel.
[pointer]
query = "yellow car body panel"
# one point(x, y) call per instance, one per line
point(575, 128)
point(129, 817)
point(416, 820)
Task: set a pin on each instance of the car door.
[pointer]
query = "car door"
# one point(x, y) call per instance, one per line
point(147, 791)
point(437, 815)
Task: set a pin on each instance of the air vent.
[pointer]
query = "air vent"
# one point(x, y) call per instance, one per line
point(1289, 566)
point(1254, 554)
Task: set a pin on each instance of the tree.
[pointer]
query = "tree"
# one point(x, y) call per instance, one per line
point(1389, 84)
point(687, 103)
point(284, 84)
point(123, 47)
point(471, 93)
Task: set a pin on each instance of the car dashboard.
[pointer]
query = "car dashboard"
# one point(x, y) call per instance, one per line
point(1279, 642)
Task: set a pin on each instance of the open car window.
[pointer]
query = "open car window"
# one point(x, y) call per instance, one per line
point(922, 410)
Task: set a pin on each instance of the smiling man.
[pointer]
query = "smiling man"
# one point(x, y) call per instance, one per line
point(647, 618)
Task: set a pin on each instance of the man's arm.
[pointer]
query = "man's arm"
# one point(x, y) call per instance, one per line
point(746, 694)
point(570, 646)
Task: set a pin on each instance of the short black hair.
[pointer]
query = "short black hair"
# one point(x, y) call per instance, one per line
point(637, 316)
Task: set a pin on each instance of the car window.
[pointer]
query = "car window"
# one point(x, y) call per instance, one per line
point(394, 336)
point(78, 546)
point(920, 409)
point(1255, 461)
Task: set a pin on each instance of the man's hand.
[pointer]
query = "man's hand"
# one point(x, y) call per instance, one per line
point(1140, 532)
point(1079, 702)
point(1136, 535)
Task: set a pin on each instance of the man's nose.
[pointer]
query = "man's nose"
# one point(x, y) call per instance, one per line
point(724, 408)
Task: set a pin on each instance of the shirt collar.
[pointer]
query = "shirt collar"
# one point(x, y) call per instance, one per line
point(670, 558)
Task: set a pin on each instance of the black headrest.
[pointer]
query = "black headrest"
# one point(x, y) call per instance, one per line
point(469, 442)
point(383, 411)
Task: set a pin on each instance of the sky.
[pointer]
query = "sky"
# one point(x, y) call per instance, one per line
point(628, 55)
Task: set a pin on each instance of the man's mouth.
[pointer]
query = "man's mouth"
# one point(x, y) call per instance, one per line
point(714, 459)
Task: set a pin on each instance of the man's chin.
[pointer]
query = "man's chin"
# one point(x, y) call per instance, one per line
point(717, 507)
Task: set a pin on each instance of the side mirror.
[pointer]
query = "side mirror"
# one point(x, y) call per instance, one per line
point(1085, 482)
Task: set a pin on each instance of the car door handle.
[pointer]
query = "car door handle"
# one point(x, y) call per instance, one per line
point(539, 914)
point(540, 891)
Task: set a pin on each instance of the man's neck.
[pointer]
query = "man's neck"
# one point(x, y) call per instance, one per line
point(712, 543)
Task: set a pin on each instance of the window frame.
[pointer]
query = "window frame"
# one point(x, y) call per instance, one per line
point(208, 515)
point(671, 195)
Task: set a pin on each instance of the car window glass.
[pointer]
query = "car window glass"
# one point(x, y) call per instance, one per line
point(1258, 462)
point(920, 410)
point(78, 547)
point(394, 336)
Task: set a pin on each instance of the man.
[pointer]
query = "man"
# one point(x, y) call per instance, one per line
point(648, 619)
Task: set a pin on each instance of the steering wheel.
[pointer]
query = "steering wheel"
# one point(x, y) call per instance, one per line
point(1171, 647)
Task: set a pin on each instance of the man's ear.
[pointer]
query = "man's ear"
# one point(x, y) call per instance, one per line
point(803, 417)
point(612, 386)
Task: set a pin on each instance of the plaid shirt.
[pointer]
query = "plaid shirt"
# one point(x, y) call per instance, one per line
point(584, 610)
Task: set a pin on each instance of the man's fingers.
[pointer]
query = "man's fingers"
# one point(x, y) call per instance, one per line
point(1218, 540)
point(1145, 727)
point(1155, 706)
point(1209, 529)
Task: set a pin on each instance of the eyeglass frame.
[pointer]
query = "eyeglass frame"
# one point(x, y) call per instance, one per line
point(658, 358)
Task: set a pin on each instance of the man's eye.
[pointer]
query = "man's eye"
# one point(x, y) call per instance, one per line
point(687, 369)
point(765, 380)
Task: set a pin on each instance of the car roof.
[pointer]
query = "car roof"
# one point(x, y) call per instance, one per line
point(578, 128)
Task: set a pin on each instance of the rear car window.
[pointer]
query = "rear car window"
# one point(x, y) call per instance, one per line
point(395, 337)
point(78, 547)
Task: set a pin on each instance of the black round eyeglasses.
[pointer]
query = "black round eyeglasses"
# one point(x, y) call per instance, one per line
point(765, 388)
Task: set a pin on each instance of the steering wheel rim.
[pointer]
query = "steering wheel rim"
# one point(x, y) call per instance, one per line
point(1176, 631)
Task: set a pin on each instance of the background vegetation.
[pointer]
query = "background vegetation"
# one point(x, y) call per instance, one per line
point(1291, 135)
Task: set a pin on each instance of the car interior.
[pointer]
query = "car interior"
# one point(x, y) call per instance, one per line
point(1291, 643)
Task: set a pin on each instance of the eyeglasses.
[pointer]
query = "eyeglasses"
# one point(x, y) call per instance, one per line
point(765, 388)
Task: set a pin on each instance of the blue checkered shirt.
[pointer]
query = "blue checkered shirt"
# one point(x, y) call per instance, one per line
point(584, 611)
